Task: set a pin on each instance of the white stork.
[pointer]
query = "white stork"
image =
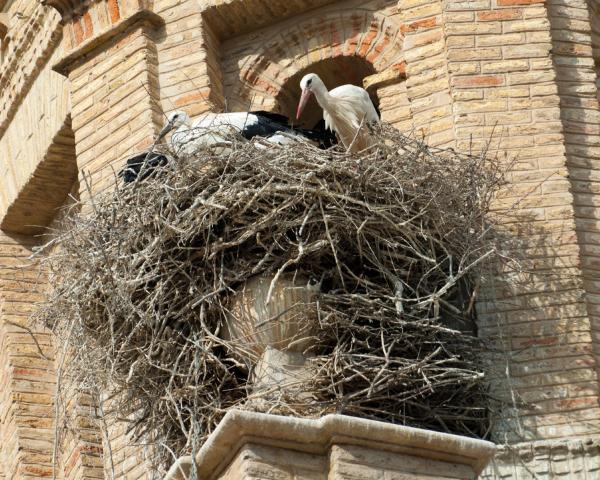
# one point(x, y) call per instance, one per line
point(347, 110)
point(217, 128)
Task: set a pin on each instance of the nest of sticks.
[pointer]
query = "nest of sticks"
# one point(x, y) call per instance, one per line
point(397, 236)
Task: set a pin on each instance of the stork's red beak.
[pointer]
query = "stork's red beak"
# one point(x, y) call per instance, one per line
point(303, 99)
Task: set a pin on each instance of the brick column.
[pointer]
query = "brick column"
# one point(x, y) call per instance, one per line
point(189, 59)
point(112, 66)
point(573, 42)
point(427, 76)
point(27, 378)
point(505, 93)
point(111, 62)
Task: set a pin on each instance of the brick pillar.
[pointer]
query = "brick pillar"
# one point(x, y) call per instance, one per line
point(189, 59)
point(111, 62)
point(427, 76)
point(27, 378)
point(112, 65)
point(505, 93)
point(573, 40)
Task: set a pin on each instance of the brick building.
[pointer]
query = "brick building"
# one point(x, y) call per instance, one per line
point(83, 83)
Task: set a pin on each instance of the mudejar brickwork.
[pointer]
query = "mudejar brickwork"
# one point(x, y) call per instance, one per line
point(84, 83)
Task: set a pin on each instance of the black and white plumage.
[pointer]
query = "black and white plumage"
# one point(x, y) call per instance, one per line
point(144, 163)
point(347, 110)
point(217, 129)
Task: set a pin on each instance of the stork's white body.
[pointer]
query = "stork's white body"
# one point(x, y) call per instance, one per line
point(214, 129)
point(346, 110)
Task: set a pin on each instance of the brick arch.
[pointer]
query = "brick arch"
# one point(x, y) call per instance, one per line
point(295, 46)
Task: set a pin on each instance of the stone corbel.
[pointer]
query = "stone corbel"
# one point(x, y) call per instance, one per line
point(389, 76)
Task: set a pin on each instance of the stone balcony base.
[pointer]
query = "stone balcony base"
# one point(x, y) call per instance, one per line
point(249, 445)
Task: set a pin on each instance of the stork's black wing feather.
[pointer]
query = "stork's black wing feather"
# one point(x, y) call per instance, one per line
point(259, 125)
point(276, 117)
point(145, 163)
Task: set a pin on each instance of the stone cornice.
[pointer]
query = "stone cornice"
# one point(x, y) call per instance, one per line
point(316, 436)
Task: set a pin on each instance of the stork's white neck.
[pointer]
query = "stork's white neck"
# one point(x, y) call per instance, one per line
point(321, 93)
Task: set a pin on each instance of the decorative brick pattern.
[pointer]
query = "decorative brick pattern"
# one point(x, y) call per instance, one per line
point(262, 70)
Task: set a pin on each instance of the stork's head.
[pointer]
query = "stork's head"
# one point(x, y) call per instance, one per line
point(308, 85)
point(174, 120)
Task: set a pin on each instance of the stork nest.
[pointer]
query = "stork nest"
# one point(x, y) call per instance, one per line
point(398, 236)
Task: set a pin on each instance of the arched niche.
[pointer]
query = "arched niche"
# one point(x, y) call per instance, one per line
point(342, 43)
point(334, 72)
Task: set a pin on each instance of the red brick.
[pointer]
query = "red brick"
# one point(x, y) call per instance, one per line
point(379, 48)
point(113, 10)
point(88, 27)
point(578, 402)
point(78, 29)
point(400, 68)
point(479, 81)
point(368, 40)
point(418, 25)
point(492, 15)
point(36, 471)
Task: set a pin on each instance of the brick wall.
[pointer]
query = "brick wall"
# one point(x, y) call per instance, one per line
point(262, 69)
point(518, 75)
point(189, 58)
point(112, 114)
point(33, 35)
point(504, 88)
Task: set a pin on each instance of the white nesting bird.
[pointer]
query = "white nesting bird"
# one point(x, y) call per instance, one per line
point(218, 128)
point(187, 138)
point(347, 110)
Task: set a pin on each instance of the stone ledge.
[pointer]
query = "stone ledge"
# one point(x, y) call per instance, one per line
point(316, 437)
